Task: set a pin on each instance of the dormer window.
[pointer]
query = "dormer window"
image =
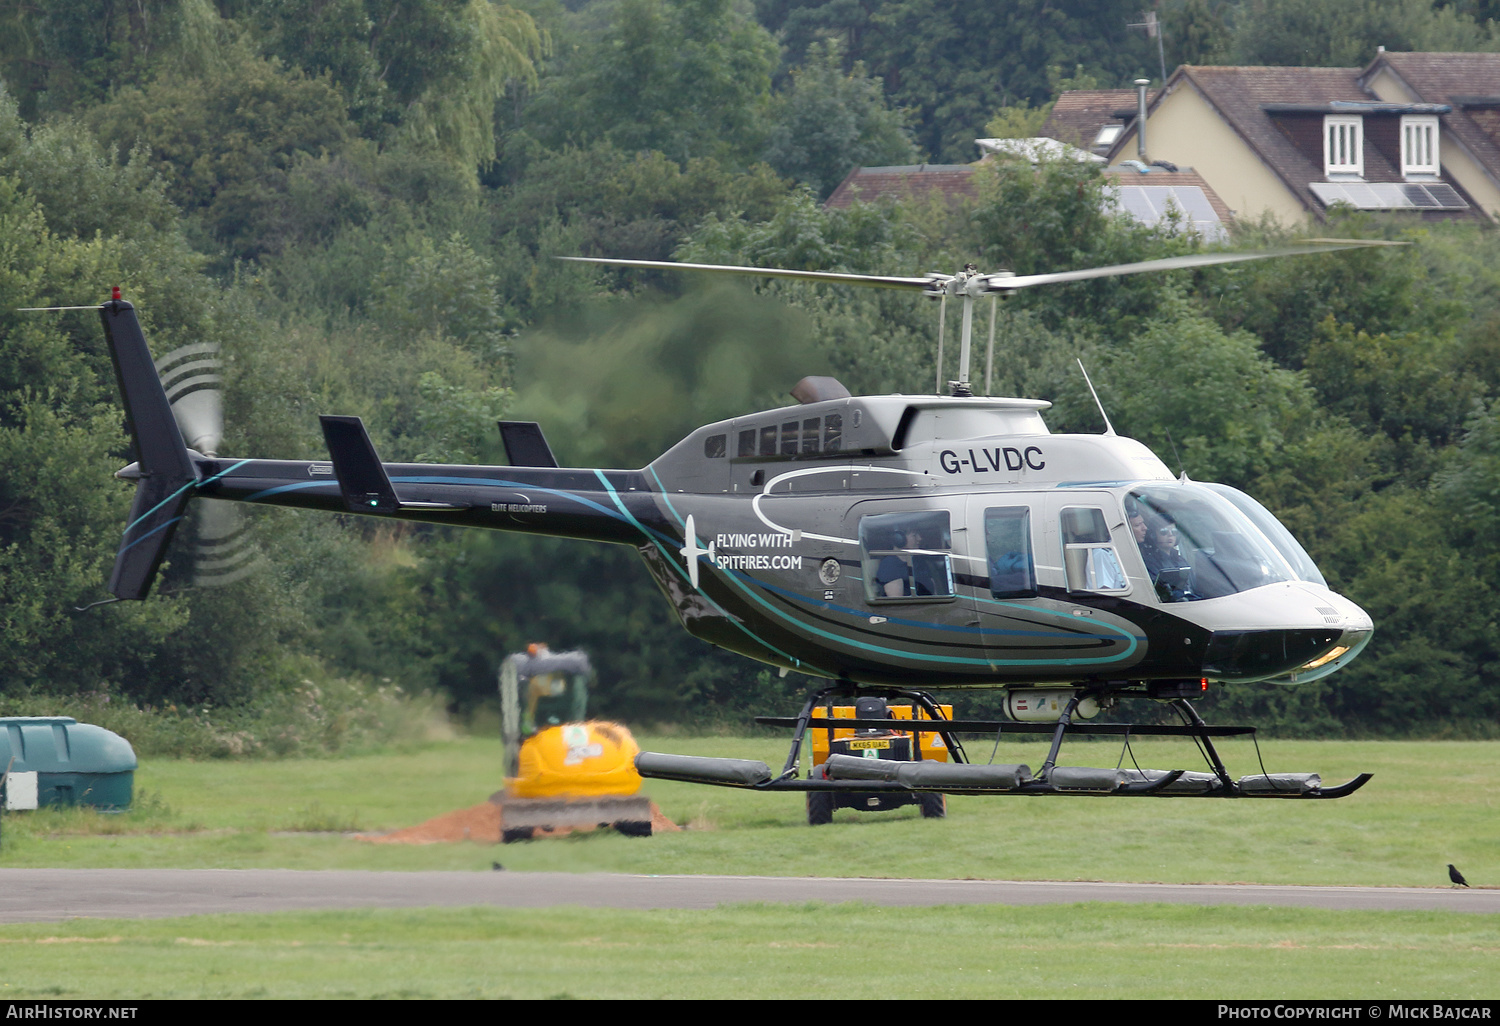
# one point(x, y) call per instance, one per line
point(1419, 145)
point(1343, 145)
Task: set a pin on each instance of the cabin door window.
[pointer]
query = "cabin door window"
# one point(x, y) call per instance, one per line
point(1007, 541)
point(1089, 557)
point(907, 557)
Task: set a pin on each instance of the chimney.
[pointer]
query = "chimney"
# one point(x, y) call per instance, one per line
point(1140, 119)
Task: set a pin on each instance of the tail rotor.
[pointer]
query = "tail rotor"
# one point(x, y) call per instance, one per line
point(192, 376)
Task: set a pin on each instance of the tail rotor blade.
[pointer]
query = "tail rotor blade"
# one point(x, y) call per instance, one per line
point(224, 552)
point(190, 375)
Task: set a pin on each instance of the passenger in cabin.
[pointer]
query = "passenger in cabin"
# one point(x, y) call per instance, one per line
point(1140, 531)
point(1104, 573)
point(1010, 572)
point(895, 576)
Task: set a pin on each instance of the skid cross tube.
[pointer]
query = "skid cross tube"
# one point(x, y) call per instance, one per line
point(1187, 712)
point(848, 689)
point(1010, 727)
point(1057, 737)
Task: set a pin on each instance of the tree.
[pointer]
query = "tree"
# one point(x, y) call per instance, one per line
point(431, 70)
point(226, 146)
point(689, 78)
point(1345, 33)
point(1056, 214)
point(953, 64)
point(829, 122)
point(1196, 31)
point(1197, 395)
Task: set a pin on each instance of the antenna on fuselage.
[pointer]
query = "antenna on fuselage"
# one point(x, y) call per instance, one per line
point(1109, 428)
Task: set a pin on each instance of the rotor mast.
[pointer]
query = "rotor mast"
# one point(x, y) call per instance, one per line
point(967, 285)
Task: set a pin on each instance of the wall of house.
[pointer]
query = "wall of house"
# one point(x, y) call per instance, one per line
point(1186, 130)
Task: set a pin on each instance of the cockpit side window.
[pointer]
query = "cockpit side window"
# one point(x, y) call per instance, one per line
point(1007, 539)
point(906, 556)
point(1089, 557)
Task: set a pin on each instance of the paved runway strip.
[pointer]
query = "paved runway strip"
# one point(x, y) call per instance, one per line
point(43, 895)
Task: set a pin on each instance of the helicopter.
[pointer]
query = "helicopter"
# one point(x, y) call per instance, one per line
point(889, 544)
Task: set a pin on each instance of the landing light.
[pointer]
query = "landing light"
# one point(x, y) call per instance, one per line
point(1330, 657)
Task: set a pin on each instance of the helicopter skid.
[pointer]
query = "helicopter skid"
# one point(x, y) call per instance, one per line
point(872, 775)
point(845, 773)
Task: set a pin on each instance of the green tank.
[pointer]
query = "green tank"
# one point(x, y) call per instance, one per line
point(55, 760)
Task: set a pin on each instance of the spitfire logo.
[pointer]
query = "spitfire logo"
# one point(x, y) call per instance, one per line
point(983, 461)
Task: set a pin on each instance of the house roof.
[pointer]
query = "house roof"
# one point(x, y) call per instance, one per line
point(955, 181)
point(1036, 147)
point(1278, 112)
point(1078, 114)
point(904, 181)
point(1469, 82)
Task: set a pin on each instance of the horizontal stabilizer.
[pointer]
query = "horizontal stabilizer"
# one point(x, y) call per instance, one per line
point(524, 444)
point(362, 480)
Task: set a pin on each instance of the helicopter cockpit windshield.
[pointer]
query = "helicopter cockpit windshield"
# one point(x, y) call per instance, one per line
point(1198, 543)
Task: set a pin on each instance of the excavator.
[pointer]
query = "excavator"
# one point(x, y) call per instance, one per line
point(563, 771)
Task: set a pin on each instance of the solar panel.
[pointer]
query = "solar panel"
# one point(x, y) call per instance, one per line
point(1137, 203)
point(1418, 196)
point(1446, 195)
point(1149, 204)
point(1389, 195)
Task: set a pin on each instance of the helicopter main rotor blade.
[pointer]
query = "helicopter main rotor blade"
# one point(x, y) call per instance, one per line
point(1008, 283)
point(868, 280)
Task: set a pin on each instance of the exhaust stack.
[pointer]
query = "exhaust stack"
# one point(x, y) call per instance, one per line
point(1140, 119)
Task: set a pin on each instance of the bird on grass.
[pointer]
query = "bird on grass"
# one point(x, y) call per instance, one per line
point(1456, 877)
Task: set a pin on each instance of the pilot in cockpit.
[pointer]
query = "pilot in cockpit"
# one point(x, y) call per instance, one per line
point(1169, 569)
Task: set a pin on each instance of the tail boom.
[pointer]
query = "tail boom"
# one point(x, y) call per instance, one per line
point(595, 505)
point(567, 503)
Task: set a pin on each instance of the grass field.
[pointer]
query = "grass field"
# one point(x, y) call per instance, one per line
point(1430, 803)
point(763, 951)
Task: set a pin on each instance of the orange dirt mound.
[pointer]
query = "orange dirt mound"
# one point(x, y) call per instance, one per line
point(481, 823)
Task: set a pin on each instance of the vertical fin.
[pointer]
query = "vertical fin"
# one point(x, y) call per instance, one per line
point(164, 473)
